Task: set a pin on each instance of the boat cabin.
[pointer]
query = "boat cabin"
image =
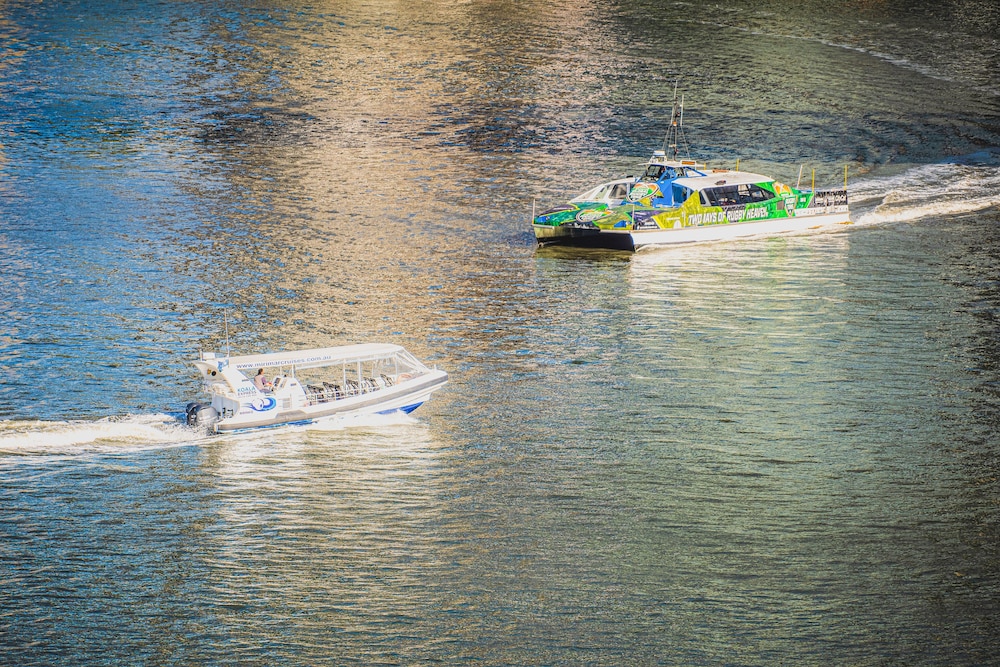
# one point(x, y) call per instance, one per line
point(306, 386)
point(656, 183)
point(306, 377)
point(730, 188)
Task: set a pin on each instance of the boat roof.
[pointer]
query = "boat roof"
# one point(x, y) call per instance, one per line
point(719, 179)
point(321, 356)
point(660, 157)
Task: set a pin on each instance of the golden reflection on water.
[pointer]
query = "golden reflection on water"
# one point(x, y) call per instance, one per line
point(350, 177)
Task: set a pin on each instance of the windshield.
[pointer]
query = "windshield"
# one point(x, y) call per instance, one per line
point(653, 172)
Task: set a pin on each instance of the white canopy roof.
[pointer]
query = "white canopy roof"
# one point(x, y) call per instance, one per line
point(323, 356)
point(722, 179)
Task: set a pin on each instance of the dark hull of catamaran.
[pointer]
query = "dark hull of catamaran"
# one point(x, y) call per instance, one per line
point(580, 236)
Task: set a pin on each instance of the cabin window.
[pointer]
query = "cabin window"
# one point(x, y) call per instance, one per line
point(733, 195)
point(750, 193)
point(726, 195)
point(620, 191)
point(653, 172)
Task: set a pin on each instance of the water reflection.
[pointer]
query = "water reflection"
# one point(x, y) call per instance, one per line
point(823, 401)
point(329, 551)
point(766, 452)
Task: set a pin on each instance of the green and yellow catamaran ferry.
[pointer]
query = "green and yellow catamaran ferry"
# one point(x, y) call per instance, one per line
point(681, 201)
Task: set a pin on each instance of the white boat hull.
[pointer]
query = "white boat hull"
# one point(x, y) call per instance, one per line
point(404, 397)
point(731, 231)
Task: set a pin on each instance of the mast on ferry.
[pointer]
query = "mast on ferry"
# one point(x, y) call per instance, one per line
point(675, 133)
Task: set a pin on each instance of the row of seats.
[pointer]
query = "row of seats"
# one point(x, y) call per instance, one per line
point(333, 392)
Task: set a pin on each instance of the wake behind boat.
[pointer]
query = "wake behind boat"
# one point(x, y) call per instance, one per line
point(309, 386)
point(681, 201)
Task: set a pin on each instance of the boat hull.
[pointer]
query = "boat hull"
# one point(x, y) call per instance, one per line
point(404, 397)
point(636, 239)
point(583, 236)
point(300, 387)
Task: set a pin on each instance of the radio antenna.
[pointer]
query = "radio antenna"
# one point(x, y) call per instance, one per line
point(675, 133)
point(225, 320)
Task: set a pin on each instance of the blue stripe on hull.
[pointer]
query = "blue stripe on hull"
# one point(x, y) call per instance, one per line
point(406, 408)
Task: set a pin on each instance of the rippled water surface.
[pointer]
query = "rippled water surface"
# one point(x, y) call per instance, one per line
point(778, 451)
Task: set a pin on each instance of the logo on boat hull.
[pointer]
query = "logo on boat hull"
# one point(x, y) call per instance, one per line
point(263, 404)
point(643, 190)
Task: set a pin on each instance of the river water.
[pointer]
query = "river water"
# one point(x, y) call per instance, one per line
point(773, 452)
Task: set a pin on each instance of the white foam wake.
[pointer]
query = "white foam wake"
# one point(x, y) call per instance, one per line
point(108, 434)
point(933, 190)
point(132, 433)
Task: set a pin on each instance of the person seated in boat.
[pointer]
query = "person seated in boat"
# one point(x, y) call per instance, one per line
point(261, 382)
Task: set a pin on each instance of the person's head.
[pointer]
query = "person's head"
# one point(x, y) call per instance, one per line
point(260, 371)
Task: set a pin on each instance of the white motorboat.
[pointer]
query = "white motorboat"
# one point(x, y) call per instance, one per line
point(297, 388)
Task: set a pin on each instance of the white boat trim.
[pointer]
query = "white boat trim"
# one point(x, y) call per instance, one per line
point(800, 222)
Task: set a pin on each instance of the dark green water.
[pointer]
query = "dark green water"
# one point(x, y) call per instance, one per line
point(772, 452)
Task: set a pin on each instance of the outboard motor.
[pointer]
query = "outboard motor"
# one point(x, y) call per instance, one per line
point(199, 414)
